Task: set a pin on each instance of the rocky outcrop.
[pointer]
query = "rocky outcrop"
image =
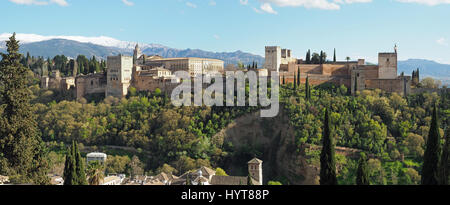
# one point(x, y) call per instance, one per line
point(272, 140)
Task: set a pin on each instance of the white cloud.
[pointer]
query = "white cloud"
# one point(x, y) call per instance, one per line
point(217, 37)
point(212, 3)
point(128, 3)
point(243, 2)
point(40, 3)
point(426, 2)
point(442, 42)
point(257, 10)
point(191, 5)
point(313, 4)
point(266, 7)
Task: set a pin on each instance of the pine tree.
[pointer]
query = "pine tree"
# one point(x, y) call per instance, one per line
point(430, 175)
point(445, 163)
point(362, 177)
point(334, 56)
point(249, 180)
point(22, 151)
point(327, 158)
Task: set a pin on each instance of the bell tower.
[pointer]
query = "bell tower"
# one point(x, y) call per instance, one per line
point(137, 53)
point(255, 169)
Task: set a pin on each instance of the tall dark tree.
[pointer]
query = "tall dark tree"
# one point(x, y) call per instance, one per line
point(74, 169)
point(445, 162)
point(80, 168)
point(70, 169)
point(334, 56)
point(327, 156)
point(284, 80)
point(307, 89)
point(298, 77)
point(308, 57)
point(362, 175)
point(430, 170)
point(22, 151)
point(295, 82)
point(249, 180)
point(321, 57)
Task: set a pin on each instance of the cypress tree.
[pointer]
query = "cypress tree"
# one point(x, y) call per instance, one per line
point(430, 175)
point(307, 89)
point(21, 147)
point(295, 82)
point(445, 163)
point(249, 180)
point(70, 168)
point(362, 175)
point(298, 77)
point(334, 56)
point(321, 57)
point(418, 75)
point(80, 168)
point(308, 57)
point(327, 158)
point(284, 80)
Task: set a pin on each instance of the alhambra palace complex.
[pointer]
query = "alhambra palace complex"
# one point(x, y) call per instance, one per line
point(147, 73)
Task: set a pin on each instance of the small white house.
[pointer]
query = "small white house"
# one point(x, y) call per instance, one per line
point(96, 156)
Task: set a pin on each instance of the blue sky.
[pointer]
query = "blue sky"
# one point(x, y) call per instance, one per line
point(356, 28)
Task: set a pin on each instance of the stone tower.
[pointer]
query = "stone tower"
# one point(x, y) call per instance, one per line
point(255, 169)
point(137, 53)
point(387, 65)
point(118, 75)
point(273, 58)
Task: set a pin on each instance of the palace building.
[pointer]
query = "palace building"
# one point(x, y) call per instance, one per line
point(356, 75)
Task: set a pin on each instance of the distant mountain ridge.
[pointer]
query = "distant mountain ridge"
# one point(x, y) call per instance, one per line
point(101, 47)
point(427, 68)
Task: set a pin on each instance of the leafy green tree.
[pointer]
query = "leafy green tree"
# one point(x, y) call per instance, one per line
point(327, 156)
point(362, 177)
point(221, 172)
point(22, 152)
point(316, 58)
point(430, 175)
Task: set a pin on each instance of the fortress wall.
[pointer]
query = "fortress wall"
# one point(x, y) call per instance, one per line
point(90, 85)
point(333, 69)
point(309, 69)
point(371, 72)
point(388, 85)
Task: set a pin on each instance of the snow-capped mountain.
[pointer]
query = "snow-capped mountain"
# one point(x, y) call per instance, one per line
point(103, 46)
point(100, 40)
